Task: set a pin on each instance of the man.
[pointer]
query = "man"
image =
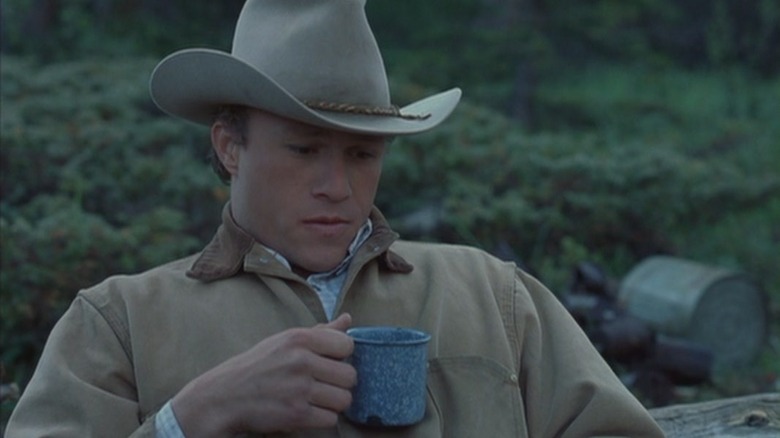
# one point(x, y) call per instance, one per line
point(248, 336)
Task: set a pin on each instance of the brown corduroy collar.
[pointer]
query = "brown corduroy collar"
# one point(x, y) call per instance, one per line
point(224, 256)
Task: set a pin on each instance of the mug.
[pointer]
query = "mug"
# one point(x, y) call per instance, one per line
point(392, 370)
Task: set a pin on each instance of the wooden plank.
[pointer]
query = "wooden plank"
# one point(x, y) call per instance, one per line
point(749, 416)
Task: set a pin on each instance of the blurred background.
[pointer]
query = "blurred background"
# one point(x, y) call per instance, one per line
point(594, 135)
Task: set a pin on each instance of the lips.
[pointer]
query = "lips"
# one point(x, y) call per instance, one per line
point(326, 220)
point(327, 225)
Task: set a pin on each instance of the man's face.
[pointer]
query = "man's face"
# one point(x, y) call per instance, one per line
point(304, 191)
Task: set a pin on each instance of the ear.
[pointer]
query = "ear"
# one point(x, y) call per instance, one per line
point(225, 146)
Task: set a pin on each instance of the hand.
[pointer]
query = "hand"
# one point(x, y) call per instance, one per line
point(295, 379)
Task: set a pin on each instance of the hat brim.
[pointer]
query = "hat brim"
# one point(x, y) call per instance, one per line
point(193, 83)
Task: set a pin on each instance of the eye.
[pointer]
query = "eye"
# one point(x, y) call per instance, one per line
point(366, 152)
point(301, 149)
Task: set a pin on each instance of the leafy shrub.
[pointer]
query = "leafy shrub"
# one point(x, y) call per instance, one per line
point(622, 193)
point(94, 181)
point(58, 31)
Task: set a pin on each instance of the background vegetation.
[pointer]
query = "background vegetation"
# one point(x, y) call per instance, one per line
point(597, 130)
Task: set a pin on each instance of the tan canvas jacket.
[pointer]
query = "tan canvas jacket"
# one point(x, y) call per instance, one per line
point(506, 360)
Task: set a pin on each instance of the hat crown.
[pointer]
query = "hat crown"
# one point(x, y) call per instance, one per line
point(317, 50)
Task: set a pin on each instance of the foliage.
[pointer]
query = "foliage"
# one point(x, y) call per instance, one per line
point(58, 31)
point(643, 172)
point(88, 190)
point(499, 50)
point(496, 49)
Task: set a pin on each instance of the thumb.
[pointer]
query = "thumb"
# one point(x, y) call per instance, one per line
point(342, 323)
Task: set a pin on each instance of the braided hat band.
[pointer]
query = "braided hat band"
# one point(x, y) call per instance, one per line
point(391, 111)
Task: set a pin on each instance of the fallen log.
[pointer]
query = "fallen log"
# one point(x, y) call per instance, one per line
point(749, 416)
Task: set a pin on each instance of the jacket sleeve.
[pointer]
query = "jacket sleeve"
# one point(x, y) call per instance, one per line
point(83, 385)
point(568, 389)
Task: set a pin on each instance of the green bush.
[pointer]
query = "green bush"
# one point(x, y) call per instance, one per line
point(94, 181)
point(621, 185)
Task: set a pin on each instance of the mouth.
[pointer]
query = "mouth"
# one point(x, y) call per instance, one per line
point(326, 220)
point(327, 225)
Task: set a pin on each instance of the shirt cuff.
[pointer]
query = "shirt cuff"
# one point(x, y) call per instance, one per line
point(166, 425)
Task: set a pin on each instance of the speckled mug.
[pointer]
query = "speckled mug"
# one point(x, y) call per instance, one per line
point(391, 365)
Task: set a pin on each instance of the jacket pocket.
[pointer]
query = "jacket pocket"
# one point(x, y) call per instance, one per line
point(475, 396)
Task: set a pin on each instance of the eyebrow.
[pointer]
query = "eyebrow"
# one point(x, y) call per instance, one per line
point(314, 131)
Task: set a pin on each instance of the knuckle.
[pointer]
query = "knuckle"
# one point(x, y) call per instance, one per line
point(299, 410)
point(330, 419)
point(298, 337)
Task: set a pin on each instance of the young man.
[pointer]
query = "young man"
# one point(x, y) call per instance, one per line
point(248, 336)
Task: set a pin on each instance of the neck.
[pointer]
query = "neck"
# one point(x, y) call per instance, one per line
point(302, 272)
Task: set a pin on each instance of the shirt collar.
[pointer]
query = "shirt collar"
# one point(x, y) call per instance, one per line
point(360, 238)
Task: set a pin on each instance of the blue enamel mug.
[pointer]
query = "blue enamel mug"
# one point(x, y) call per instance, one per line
point(392, 370)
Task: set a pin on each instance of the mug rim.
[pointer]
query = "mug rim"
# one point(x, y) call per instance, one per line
point(415, 336)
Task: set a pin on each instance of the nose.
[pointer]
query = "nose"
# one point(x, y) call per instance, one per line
point(334, 182)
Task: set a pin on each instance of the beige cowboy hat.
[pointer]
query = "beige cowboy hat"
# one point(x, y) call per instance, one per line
point(315, 61)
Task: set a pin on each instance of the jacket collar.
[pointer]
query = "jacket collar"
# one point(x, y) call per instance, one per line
point(224, 256)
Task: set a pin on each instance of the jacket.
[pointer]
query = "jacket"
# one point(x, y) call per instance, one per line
point(505, 357)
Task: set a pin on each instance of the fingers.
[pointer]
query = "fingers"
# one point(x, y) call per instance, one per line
point(291, 380)
point(342, 323)
point(329, 397)
point(337, 377)
point(330, 339)
point(336, 373)
point(317, 418)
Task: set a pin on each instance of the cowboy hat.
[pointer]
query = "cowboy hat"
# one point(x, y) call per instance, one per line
point(315, 61)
